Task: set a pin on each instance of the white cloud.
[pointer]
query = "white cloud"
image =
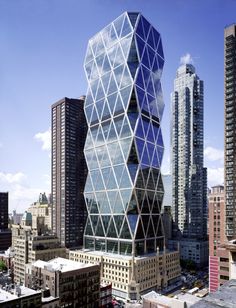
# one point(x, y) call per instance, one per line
point(12, 177)
point(215, 176)
point(21, 194)
point(213, 154)
point(45, 138)
point(186, 59)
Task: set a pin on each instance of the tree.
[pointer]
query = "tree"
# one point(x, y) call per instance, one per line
point(2, 266)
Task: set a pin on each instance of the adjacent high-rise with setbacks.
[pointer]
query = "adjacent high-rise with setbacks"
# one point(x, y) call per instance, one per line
point(69, 171)
point(124, 146)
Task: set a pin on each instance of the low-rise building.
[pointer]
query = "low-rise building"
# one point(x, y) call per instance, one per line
point(152, 272)
point(76, 284)
point(19, 296)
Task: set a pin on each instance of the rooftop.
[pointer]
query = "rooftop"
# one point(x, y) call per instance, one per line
point(12, 293)
point(61, 264)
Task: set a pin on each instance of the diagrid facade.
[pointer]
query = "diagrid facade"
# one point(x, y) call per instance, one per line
point(123, 151)
point(124, 145)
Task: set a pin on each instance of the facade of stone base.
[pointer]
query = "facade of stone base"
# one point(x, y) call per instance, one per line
point(130, 276)
point(194, 250)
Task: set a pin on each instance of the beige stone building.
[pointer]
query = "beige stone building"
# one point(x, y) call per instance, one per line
point(153, 272)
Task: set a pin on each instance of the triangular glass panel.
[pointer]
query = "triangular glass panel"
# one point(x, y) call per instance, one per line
point(99, 61)
point(153, 108)
point(150, 39)
point(112, 85)
point(118, 74)
point(106, 66)
point(105, 81)
point(140, 45)
point(145, 171)
point(125, 181)
point(160, 139)
point(150, 134)
point(89, 141)
point(88, 229)
point(145, 157)
point(88, 185)
point(140, 82)
point(155, 66)
point(139, 181)
point(125, 195)
point(89, 54)
point(156, 128)
point(112, 34)
point(150, 232)
point(133, 18)
point(125, 132)
point(132, 219)
point(93, 44)
point(94, 175)
point(118, 124)
point(118, 159)
point(145, 58)
point(160, 152)
point(150, 88)
point(146, 27)
point(94, 117)
point(140, 95)
point(99, 230)
point(150, 196)
point(106, 112)
point(100, 138)
point(140, 147)
point(145, 207)
point(139, 129)
point(105, 174)
point(156, 37)
point(160, 187)
point(160, 64)
point(145, 106)
point(160, 50)
point(119, 107)
point(111, 197)
point(140, 30)
point(112, 150)
point(133, 59)
point(133, 68)
point(151, 54)
point(105, 222)
point(125, 45)
point(126, 27)
point(118, 207)
point(100, 92)
point(126, 79)
point(133, 156)
point(105, 158)
point(94, 131)
point(88, 69)
point(155, 219)
point(111, 54)
point(156, 208)
point(112, 230)
point(94, 207)
point(133, 206)
point(94, 85)
point(132, 171)
point(155, 161)
point(125, 233)
point(105, 207)
point(94, 161)
point(118, 173)
point(99, 183)
point(100, 198)
point(145, 220)
point(94, 221)
point(139, 233)
point(94, 71)
point(125, 94)
point(88, 112)
point(105, 128)
point(132, 119)
point(145, 125)
point(100, 105)
point(125, 145)
point(112, 133)
point(146, 75)
point(151, 185)
point(118, 222)
point(119, 57)
point(118, 24)
point(100, 46)
point(111, 101)
point(89, 99)
point(112, 182)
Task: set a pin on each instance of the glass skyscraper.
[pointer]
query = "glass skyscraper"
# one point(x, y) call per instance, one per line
point(124, 146)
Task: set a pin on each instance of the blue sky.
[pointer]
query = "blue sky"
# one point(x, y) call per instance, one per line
point(43, 45)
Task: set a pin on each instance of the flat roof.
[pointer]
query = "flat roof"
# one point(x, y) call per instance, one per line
point(61, 264)
point(9, 295)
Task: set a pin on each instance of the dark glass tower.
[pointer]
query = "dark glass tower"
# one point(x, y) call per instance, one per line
point(69, 171)
point(124, 145)
point(5, 233)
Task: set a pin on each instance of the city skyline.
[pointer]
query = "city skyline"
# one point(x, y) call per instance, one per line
point(48, 52)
